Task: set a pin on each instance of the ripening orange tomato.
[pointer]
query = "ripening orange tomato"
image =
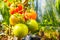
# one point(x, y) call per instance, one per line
point(31, 15)
point(27, 15)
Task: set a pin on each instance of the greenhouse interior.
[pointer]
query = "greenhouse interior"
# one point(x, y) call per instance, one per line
point(29, 19)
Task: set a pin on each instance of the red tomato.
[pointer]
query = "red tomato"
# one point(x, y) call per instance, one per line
point(17, 9)
point(20, 6)
point(20, 12)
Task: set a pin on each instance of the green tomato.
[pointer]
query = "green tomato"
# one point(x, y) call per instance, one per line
point(20, 30)
point(32, 25)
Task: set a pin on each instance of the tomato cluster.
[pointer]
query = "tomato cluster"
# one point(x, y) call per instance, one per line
point(18, 9)
point(24, 15)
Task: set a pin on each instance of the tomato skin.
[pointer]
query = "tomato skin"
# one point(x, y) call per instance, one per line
point(13, 19)
point(34, 16)
point(20, 7)
point(32, 25)
point(27, 15)
point(20, 30)
point(16, 9)
point(20, 12)
point(30, 15)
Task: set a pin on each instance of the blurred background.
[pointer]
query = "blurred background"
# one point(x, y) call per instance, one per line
point(48, 15)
